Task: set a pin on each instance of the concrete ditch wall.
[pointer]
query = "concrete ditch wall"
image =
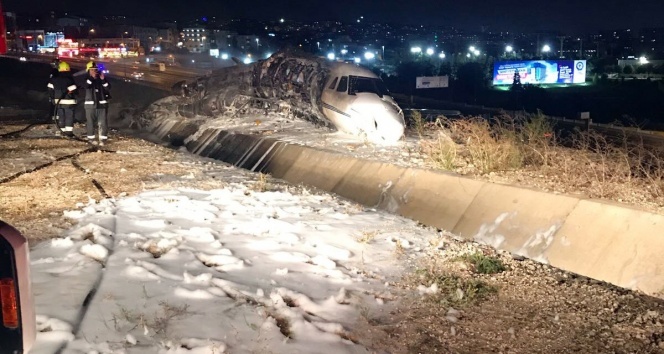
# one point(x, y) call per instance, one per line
point(607, 242)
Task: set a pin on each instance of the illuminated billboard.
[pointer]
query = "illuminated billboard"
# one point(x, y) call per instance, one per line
point(540, 72)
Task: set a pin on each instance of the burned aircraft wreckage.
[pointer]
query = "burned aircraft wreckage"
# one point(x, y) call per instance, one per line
point(335, 95)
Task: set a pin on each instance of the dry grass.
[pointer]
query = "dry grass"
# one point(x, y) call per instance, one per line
point(367, 236)
point(154, 324)
point(524, 150)
point(262, 184)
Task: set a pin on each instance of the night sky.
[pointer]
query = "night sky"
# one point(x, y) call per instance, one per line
point(569, 16)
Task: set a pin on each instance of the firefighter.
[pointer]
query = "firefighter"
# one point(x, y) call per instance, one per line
point(97, 94)
point(54, 72)
point(63, 92)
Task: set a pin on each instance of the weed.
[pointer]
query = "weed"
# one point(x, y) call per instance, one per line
point(367, 236)
point(418, 122)
point(157, 323)
point(442, 151)
point(261, 185)
point(484, 264)
point(455, 290)
point(399, 250)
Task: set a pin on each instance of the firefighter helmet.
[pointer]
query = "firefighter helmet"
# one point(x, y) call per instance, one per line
point(90, 65)
point(63, 66)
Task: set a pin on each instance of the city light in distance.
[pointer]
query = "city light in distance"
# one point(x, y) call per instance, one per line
point(546, 48)
point(331, 56)
point(357, 60)
point(224, 56)
point(429, 51)
point(344, 51)
point(369, 55)
point(643, 60)
point(509, 48)
point(441, 55)
point(246, 60)
point(416, 50)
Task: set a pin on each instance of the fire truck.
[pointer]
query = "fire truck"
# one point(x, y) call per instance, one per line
point(3, 33)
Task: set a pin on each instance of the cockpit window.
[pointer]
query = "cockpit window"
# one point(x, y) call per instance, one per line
point(333, 85)
point(343, 84)
point(367, 84)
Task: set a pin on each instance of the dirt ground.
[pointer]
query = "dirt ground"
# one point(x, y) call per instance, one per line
point(531, 308)
point(526, 308)
point(34, 202)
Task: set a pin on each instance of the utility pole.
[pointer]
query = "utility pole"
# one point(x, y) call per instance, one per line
point(562, 38)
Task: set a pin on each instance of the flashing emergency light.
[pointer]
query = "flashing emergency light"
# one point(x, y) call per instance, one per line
point(17, 322)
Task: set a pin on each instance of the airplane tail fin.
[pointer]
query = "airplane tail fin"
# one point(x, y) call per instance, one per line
point(237, 61)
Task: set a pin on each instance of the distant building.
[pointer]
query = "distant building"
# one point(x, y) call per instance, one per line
point(148, 37)
point(74, 26)
point(29, 39)
point(651, 40)
point(196, 39)
point(249, 43)
point(223, 40)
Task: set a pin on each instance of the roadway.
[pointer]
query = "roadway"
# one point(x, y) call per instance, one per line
point(127, 69)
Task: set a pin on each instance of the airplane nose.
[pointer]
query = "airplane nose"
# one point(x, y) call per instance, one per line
point(389, 126)
point(380, 120)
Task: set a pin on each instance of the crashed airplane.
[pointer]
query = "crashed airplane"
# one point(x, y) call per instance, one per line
point(340, 96)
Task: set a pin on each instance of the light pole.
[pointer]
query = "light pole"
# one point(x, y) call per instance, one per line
point(546, 49)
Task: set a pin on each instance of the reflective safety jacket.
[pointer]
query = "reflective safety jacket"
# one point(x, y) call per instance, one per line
point(97, 92)
point(62, 89)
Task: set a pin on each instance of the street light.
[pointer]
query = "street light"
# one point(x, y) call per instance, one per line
point(429, 51)
point(441, 55)
point(476, 52)
point(369, 55)
point(415, 50)
point(509, 49)
point(330, 56)
point(471, 48)
point(546, 48)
